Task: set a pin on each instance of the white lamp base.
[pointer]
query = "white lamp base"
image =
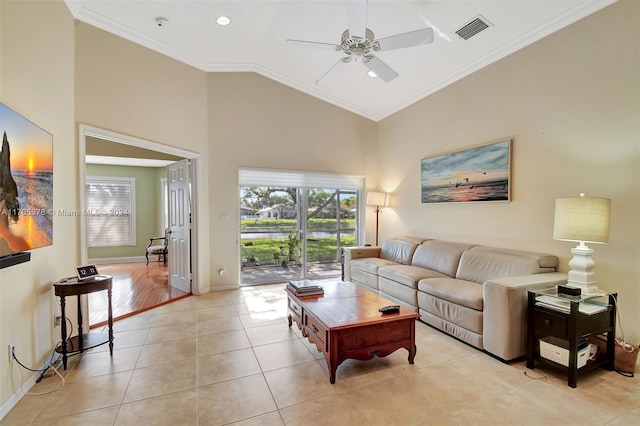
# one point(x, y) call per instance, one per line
point(581, 274)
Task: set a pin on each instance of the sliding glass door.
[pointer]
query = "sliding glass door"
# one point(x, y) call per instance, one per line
point(295, 232)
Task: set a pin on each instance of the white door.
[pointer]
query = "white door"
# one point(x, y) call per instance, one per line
point(179, 226)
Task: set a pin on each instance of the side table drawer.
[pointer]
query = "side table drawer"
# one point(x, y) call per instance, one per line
point(550, 323)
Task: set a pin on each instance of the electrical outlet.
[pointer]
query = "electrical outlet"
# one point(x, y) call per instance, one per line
point(57, 319)
point(12, 350)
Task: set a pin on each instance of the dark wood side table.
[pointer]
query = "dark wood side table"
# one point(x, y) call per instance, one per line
point(80, 343)
point(572, 324)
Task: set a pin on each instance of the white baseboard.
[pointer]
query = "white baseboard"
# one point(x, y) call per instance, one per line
point(21, 392)
point(109, 260)
point(226, 287)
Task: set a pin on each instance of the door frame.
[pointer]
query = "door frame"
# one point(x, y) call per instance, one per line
point(85, 130)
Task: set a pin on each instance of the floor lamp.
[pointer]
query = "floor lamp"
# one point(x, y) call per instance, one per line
point(377, 199)
point(583, 220)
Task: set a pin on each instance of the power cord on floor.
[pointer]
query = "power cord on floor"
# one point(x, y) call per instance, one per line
point(50, 365)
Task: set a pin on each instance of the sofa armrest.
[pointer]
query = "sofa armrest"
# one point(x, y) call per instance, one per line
point(351, 253)
point(505, 312)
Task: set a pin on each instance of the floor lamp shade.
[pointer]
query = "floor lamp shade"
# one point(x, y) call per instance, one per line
point(584, 220)
point(377, 199)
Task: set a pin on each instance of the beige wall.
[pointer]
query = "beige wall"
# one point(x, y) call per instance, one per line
point(125, 88)
point(256, 122)
point(147, 200)
point(37, 81)
point(570, 102)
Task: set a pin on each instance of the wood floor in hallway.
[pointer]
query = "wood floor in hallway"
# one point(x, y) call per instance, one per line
point(136, 288)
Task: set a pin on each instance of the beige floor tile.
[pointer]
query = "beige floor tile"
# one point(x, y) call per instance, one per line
point(299, 383)
point(98, 363)
point(136, 322)
point(125, 339)
point(27, 408)
point(354, 373)
point(216, 312)
point(173, 318)
point(270, 419)
point(271, 334)
point(534, 403)
point(631, 417)
point(164, 352)
point(171, 332)
point(100, 417)
point(257, 319)
point(214, 298)
point(438, 347)
point(282, 354)
point(186, 304)
point(329, 411)
point(86, 394)
point(392, 402)
point(234, 400)
point(227, 366)
point(178, 408)
point(227, 341)
point(219, 325)
point(161, 379)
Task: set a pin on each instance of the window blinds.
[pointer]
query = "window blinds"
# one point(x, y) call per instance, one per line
point(299, 179)
point(110, 211)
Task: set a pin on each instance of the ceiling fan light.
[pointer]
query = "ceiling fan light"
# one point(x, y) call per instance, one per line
point(223, 20)
point(372, 74)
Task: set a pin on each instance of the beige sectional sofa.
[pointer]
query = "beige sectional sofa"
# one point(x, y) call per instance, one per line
point(475, 293)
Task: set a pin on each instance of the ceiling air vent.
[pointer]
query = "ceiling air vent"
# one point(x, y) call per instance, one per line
point(477, 24)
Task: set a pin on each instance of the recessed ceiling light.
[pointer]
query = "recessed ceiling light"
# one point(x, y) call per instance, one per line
point(223, 20)
point(372, 74)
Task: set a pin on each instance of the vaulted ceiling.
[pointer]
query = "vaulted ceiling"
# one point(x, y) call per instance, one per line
point(255, 38)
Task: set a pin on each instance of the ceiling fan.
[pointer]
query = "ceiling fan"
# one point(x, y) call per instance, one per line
point(358, 43)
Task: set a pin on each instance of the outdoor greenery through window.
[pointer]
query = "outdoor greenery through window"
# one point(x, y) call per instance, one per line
point(110, 213)
point(270, 224)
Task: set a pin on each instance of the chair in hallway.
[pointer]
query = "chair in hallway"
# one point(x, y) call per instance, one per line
point(158, 246)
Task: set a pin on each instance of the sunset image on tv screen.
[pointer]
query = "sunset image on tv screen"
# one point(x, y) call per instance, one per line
point(26, 184)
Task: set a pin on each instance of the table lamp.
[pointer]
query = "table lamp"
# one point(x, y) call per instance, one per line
point(584, 220)
point(377, 199)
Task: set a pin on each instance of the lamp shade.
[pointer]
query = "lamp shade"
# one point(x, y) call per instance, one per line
point(377, 199)
point(582, 219)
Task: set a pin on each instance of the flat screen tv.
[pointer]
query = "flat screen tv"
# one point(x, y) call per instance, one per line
point(26, 185)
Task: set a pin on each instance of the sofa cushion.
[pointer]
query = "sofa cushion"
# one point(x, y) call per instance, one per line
point(370, 264)
point(484, 265)
point(547, 262)
point(408, 275)
point(441, 256)
point(398, 250)
point(455, 290)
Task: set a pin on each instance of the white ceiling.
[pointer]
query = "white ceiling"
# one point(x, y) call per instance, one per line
point(255, 40)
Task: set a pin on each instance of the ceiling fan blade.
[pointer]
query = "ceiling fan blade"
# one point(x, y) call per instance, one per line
point(412, 38)
point(310, 44)
point(357, 17)
point(382, 70)
point(333, 70)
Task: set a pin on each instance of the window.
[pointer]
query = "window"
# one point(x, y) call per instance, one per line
point(110, 211)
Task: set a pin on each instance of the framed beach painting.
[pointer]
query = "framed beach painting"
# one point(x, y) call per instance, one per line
point(480, 173)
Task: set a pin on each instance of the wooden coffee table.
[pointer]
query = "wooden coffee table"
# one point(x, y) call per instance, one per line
point(345, 323)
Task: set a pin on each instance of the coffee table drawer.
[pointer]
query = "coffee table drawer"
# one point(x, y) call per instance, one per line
point(316, 330)
point(295, 308)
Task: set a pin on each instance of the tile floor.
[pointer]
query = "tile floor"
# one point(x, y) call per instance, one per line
point(229, 358)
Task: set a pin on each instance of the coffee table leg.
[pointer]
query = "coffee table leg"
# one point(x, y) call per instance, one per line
point(412, 354)
point(290, 320)
point(332, 373)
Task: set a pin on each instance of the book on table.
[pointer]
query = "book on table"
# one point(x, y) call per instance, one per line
point(304, 288)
